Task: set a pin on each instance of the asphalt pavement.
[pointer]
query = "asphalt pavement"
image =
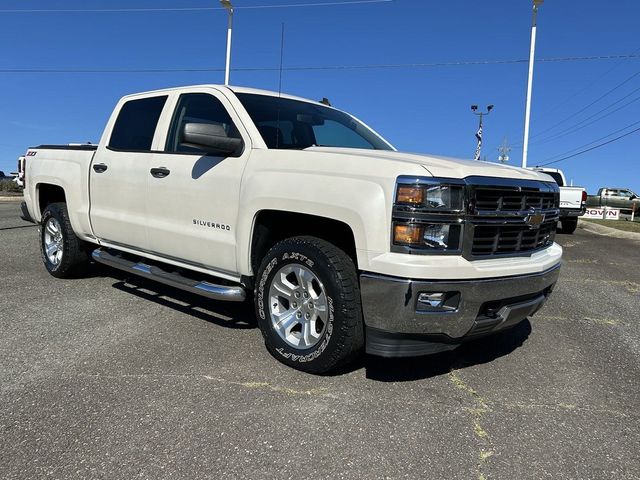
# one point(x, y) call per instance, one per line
point(111, 376)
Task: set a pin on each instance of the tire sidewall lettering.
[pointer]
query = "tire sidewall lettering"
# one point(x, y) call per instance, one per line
point(263, 284)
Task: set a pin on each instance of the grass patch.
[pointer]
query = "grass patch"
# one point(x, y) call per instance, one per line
point(9, 186)
point(623, 225)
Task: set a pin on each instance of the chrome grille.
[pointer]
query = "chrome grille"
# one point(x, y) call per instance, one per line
point(501, 216)
point(510, 239)
point(499, 199)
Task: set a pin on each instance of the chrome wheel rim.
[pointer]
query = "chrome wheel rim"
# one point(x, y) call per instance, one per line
point(298, 306)
point(53, 242)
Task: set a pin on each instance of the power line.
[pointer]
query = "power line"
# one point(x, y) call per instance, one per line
point(592, 148)
point(584, 88)
point(592, 142)
point(189, 9)
point(607, 93)
point(580, 125)
point(311, 67)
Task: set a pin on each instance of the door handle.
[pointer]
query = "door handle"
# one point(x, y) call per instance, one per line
point(99, 167)
point(160, 172)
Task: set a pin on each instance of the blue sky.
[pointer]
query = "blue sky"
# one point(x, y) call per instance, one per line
point(419, 109)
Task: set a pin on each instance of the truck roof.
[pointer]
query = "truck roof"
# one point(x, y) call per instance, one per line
point(233, 88)
point(547, 169)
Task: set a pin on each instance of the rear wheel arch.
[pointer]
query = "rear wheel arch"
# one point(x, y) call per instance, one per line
point(48, 193)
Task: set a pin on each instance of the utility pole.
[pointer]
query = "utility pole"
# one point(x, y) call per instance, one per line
point(474, 109)
point(504, 150)
point(527, 111)
point(227, 4)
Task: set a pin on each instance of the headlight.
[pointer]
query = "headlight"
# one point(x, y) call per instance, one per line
point(431, 197)
point(428, 215)
point(428, 236)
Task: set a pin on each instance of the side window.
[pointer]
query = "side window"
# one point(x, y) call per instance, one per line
point(197, 108)
point(136, 124)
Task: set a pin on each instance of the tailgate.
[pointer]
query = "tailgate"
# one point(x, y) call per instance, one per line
point(571, 197)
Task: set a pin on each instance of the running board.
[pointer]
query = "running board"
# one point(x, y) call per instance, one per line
point(205, 289)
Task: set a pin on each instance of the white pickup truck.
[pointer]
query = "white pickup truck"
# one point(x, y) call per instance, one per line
point(344, 243)
point(573, 200)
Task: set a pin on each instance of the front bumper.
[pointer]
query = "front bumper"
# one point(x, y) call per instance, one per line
point(398, 324)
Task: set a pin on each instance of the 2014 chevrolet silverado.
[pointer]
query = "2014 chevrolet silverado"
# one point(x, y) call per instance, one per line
point(346, 244)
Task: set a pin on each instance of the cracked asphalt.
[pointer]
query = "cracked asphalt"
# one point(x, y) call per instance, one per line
point(114, 377)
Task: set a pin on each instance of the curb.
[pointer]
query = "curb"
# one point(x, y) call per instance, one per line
point(607, 231)
point(11, 198)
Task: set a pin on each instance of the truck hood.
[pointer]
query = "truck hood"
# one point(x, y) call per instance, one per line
point(439, 166)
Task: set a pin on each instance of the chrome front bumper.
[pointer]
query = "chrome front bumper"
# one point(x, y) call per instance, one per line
point(392, 309)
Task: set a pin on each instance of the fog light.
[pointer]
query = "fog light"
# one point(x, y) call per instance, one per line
point(438, 302)
point(432, 299)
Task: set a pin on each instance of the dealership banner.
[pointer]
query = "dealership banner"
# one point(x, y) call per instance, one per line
point(603, 213)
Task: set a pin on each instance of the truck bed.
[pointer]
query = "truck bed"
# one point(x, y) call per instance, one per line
point(66, 166)
point(84, 146)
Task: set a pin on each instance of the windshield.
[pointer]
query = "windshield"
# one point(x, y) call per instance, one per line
point(291, 124)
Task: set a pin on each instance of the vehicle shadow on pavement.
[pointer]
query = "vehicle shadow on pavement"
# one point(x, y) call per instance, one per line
point(476, 352)
point(242, 316)
point(224, 314)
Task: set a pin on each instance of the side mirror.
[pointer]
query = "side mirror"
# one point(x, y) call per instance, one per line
point(211, 138)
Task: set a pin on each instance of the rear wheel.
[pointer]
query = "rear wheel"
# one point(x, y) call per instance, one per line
point(63, 254)
point(308, 305)
point(568, 225)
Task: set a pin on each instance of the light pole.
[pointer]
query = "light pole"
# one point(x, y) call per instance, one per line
point(474, 109)
point(227, 4)
point(527, 110)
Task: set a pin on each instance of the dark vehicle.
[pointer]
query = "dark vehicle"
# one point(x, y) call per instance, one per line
point(621, 198)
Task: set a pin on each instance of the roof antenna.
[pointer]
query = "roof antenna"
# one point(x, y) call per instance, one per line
point(281, 57)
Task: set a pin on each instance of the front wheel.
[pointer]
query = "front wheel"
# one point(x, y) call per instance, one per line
point(63, 254)
point(308, 305)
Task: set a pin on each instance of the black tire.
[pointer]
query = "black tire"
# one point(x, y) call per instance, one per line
point(73, 257)
point(342, 337)
point(568, 225)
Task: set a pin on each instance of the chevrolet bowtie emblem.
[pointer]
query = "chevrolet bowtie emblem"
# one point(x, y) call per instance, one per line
point(534, 220)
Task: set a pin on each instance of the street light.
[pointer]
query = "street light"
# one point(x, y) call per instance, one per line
point(527, 111)
point(227, 4)
point(474, 109)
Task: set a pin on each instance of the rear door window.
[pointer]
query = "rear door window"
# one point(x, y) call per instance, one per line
point(136, 124)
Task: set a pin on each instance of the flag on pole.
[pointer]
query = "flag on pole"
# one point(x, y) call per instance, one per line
point(479, 137)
